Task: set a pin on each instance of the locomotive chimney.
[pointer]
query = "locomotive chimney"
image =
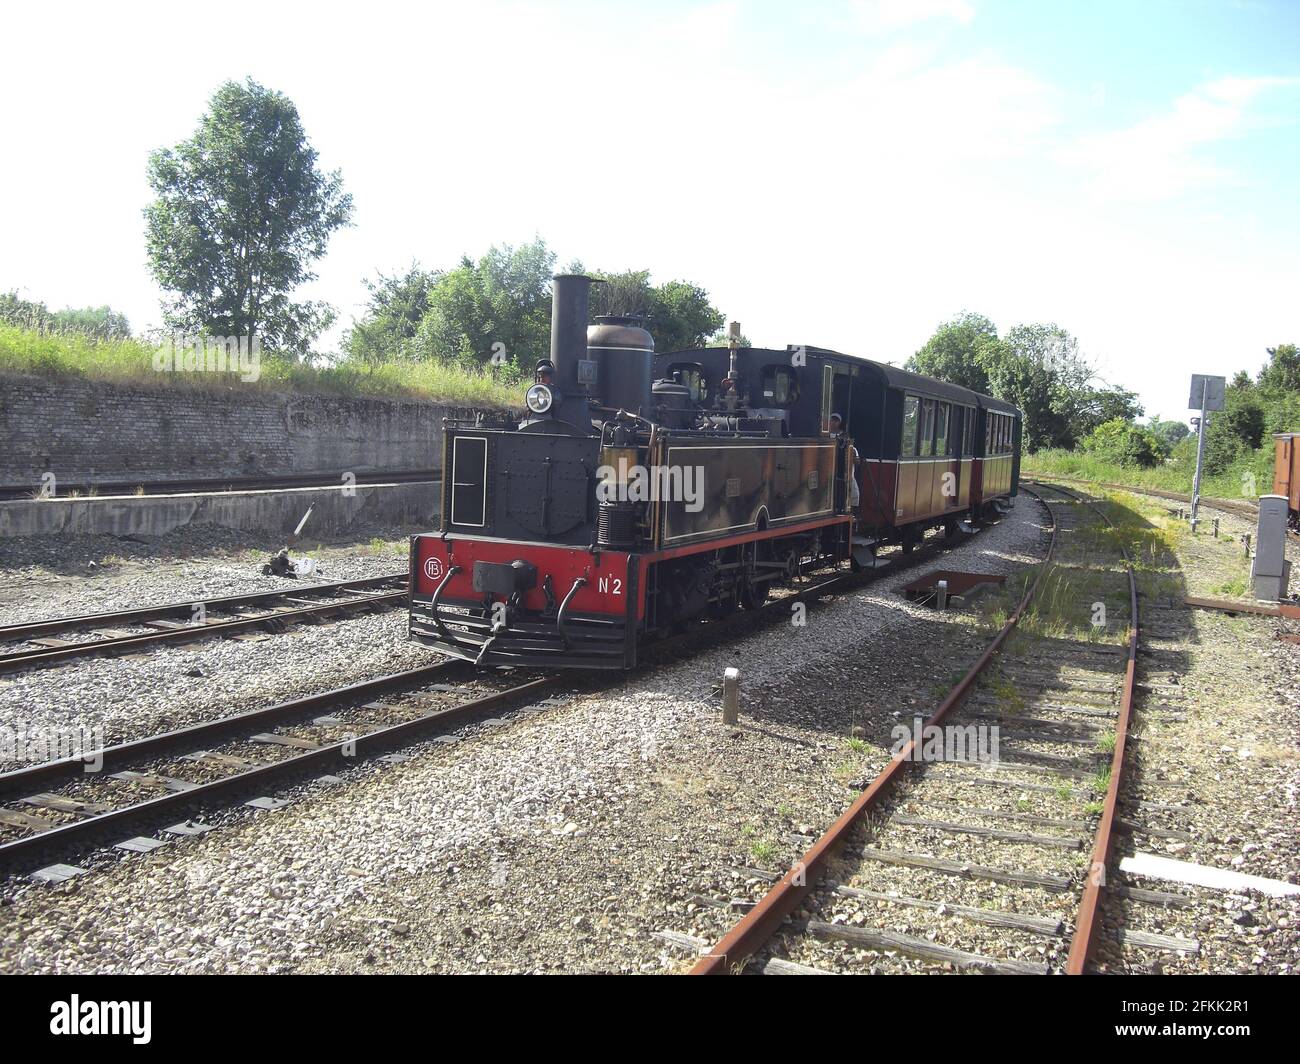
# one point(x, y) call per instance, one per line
point(573, 371)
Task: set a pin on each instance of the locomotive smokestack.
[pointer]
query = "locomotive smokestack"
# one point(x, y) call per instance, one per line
point(569, 310)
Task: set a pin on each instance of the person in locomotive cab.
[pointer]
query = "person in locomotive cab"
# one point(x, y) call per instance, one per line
point(851, 474)
point(545, 373)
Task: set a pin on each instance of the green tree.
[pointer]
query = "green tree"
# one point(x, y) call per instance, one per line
point(242, 211)
point(1095, 406)
point(1169, 433)
point(1238, 427)
point(397, 306)
point(100, 323)
point(103, 323)
point(960, 352)
point(1283, 370)
point(1124, 443)
point(678, 314)
point(25, 313)
point(496, 308)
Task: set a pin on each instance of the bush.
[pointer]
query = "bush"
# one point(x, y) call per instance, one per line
point(1124, 443)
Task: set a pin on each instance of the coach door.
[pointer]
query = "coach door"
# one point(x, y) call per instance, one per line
point(954, 484)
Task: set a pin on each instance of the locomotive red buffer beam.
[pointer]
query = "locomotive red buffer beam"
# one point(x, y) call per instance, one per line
point(525, 604)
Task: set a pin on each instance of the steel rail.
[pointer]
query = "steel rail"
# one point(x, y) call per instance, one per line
point(30, 629)
point(336, 755)
point(1087, 920)
point(18, 783)
point(749, 935)
point(1280, 609)
point(1240, 507)
point(121, 644)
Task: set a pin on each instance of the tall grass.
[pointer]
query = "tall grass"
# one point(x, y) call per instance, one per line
point(1249, 476)
point(70, 354)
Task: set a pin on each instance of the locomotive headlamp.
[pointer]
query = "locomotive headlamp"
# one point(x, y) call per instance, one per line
point(540, 398)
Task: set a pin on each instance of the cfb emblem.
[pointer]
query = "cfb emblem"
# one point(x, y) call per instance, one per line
point(433, 568)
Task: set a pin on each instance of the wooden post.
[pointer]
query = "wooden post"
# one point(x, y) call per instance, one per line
point(941, 594)
point(731, 696)
point(1216, 528)
point(1247, 541)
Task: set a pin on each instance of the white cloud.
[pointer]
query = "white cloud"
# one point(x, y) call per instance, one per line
point(1164, 156)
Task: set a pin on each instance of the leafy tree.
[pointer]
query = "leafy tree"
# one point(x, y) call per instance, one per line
point(396, 308)
point(497, 306)
point(678, 314)
point(242, 211)
point(1169, 433)
point(959, 352)
point(1237, 428)
point(1283, 370)
point(1095, 406)
point(25, 313)
point(1124, 443)
point(100, 323)
point(104, 322)
point(683, 316)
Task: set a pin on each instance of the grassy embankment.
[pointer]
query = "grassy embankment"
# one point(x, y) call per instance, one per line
point(1248, 477)
point(48, 354)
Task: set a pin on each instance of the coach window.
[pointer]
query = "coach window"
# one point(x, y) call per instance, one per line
point(927, 427)
point(911, 416)
point(780, 386)
point(943, 414)
point(968, 414)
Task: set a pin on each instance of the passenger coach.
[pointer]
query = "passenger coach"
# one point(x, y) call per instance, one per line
point(931, 454)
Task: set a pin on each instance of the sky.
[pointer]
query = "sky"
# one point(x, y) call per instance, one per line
point(845, 174)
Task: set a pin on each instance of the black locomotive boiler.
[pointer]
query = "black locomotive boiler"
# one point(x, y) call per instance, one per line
point(642, 492)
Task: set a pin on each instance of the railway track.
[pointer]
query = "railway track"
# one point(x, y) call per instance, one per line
point(1239, 507)
point(39, 643)
point(1025, 837)
point(53, 808)
point(57, 808)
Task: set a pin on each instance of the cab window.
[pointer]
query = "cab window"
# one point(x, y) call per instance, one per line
point(692, 375)
point(780, 387)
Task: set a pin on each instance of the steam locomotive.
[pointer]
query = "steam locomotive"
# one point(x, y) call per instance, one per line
point(644, 491)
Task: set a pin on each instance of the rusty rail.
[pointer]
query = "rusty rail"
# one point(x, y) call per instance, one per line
point(749, 935)
point(1086, 921)
point(1281, 609)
